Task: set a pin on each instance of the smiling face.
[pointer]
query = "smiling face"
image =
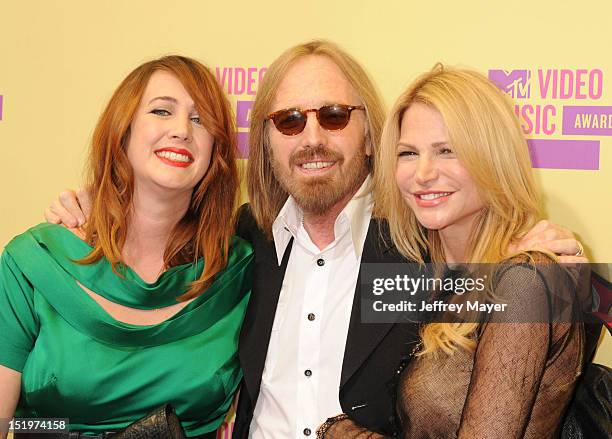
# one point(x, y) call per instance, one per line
point(319, 168)
point(432, 180)
point(168, 148)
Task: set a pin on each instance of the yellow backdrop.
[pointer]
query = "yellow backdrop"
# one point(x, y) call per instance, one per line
point(61, 60)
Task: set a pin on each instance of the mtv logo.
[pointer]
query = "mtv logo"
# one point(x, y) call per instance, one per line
point(517, 83)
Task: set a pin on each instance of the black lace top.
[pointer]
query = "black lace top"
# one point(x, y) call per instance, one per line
point(516, 384)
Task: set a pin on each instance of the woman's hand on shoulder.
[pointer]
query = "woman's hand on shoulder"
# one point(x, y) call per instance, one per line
point(71, 209)
point(552, 238)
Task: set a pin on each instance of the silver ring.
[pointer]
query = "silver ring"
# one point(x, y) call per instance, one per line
point(580, 251)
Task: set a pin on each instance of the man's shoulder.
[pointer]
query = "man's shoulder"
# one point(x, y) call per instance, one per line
point(245, 214)
point(246, 225)
point(379, 234)
point(381, 227)
point(378, 245)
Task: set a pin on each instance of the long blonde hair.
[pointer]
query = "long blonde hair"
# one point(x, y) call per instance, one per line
point(487, 138)
point(266, 195)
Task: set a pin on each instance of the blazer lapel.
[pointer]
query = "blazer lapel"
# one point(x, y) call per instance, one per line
point(363, 338)
point(259, 318)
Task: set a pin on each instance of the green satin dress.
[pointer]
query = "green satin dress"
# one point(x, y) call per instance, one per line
point(78, 362)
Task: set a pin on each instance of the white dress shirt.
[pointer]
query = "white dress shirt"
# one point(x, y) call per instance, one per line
point(301, 377)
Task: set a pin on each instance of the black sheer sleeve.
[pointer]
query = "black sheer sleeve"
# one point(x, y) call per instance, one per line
point(524, 372)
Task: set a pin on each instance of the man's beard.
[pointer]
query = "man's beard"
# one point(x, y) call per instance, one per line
point(318, 194)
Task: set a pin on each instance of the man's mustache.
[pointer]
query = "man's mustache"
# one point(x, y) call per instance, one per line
point(320, 153)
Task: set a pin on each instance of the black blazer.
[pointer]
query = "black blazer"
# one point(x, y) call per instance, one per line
point(373, 351)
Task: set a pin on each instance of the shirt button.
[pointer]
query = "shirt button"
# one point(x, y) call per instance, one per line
point(308, 372)
point(320, 262)
point(307, 432)
point(311, 317)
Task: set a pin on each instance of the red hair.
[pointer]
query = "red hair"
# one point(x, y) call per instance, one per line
point(208, 225)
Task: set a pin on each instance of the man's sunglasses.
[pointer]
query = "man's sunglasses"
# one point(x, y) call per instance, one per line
point(292, 121)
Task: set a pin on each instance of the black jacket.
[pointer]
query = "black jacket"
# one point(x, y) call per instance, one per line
point(373, 351)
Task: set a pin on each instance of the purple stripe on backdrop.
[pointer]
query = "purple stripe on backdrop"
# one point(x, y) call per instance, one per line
point(1, 105)
point(564, 154)
point(242, 113)
point(587, 120)
point(243, 145)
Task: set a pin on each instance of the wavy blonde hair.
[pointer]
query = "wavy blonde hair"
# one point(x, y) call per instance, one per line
point(487, 138)
point(207, 227)
point(266, 195)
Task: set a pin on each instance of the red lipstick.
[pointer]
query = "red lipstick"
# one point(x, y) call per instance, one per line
point(167, 160)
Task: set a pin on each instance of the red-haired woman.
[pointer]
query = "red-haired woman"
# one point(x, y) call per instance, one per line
point(143, 305)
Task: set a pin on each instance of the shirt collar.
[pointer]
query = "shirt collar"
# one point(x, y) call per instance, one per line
point(356, 215)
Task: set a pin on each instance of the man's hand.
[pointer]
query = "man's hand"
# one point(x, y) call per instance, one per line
point(555, 239)
point(71, 209)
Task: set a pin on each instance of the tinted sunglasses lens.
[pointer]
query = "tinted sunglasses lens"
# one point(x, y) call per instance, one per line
point(334, 117)
point(290, 122)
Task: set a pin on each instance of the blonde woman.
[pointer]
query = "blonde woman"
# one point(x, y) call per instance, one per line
point(454, 180)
